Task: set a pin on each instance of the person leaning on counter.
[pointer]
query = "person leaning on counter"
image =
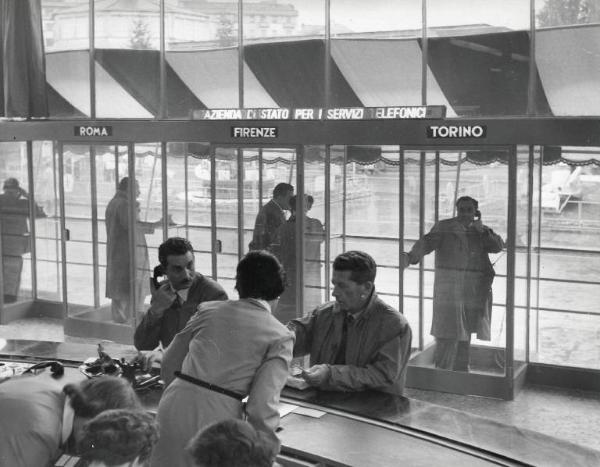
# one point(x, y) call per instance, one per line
point(358, 341)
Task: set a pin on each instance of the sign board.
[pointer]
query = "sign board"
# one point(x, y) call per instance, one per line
point(93, 130)
point(414, 112)
point(456, 131)
point(254, 132)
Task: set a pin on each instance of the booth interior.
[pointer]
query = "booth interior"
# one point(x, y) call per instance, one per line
point(541, 200)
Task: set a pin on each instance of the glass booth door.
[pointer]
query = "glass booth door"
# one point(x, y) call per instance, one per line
point(469, 334)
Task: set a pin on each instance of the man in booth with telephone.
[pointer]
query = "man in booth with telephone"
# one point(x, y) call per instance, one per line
point(462, 291)
point(177, 290)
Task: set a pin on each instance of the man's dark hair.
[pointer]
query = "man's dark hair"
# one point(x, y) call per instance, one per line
point(281, 189)
point(231, 443)
point(115, 437)
point(464, 199)
point(362, 266)
point(259, 274)
point(92, 396)
point(173, 246)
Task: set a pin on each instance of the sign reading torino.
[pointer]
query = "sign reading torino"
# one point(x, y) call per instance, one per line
point(254, 132)
point(456, 131)
point(93, 130)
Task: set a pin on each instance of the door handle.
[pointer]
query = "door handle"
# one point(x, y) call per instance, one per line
point(219, 246)
point(67, 235)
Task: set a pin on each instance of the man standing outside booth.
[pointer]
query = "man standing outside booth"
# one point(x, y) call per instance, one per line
point(270, 217)
point(462, 295)
point(118, 256)
point(14, 221)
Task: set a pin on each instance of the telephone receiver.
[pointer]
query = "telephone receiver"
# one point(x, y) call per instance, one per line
point(159, 271)
point(478, 215)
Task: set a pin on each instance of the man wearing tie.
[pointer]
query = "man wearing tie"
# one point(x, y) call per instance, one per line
point(358, 341)
point(175, 300)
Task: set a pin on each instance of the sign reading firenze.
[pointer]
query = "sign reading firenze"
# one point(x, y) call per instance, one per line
point(415, 112)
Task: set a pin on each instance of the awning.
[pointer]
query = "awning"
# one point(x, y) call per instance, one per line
point(485, 74)
point(138, 72)
point(292, 73)
point(386, 72)
point(568, 60)
point(212, 75)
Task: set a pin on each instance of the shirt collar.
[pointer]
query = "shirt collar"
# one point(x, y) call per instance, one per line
point(67, 424)
point(262, 303)
point(362, 313)
point(181, 293)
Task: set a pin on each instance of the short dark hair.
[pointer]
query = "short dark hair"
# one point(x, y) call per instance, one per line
point(118, 436)
point(231, 443)
point(362, 265)
point(92, 396)
point(282, 189)
point(464, 199)
point(259, 274)
point(173, 246)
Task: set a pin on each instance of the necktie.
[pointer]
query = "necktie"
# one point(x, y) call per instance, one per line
point(340, 358)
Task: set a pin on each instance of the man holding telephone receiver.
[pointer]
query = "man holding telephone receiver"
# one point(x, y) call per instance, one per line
point(462, 296)
point(177, 291)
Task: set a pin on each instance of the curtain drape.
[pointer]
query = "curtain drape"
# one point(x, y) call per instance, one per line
point(22, 60)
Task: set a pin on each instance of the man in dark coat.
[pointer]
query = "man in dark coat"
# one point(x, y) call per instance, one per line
point(462, 293)
point(14, 218)
point(270, 217)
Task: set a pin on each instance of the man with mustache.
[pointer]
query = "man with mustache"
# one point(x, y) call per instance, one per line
point(176, 299)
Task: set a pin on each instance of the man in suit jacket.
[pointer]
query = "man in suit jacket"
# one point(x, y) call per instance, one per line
point(270, 217)
point(177, 298)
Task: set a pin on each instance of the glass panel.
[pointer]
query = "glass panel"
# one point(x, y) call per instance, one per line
point(522, 259)
point(149, 233)
point(227, 217)
point(14, 223)
point(265, 169)
point(188, 192)
point(111, 162)
point(569, 201)
point(127, 40)
point(314, 230)
point(478, 53)
point(535, 259)
point(567, 57)
point(78, 222)
point(201, 41)
point(47, 230)
point(307, 18)
point(66, 43)
point(382, 18)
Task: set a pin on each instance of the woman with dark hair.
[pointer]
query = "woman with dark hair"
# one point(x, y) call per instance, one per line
point(227, 351)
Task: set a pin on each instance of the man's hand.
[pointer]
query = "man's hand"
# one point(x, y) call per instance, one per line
point(316, 375)
point(162, 299)
point(478, 225)
point(147, 359)
point(405, 260)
